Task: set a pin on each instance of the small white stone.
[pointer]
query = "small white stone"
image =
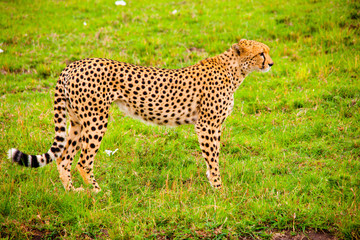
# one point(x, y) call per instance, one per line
point(120, 3)
point(175, 11)
point(1, 51)
point(85, 23)
point(109, 152)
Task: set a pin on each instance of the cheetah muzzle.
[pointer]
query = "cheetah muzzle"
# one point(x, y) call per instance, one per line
point(202, 94)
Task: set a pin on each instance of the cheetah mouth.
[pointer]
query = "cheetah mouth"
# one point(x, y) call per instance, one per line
point(265, 69)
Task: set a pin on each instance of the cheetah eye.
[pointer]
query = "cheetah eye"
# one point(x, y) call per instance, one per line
point(262, 54)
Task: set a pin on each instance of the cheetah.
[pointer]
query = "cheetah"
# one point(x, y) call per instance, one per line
point(201, 94)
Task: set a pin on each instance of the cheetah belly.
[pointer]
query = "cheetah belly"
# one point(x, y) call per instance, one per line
point(127, 110)
point(181, 117)
point(231, 106)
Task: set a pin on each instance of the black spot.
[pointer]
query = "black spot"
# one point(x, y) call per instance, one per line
point(24, 160)
point(59, 139)
point(47, 157)
point(55, 150)
point(16, 156)
point(21, 158)
point(34, 161)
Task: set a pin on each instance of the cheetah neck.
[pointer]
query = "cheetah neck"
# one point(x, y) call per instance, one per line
point(236, 71)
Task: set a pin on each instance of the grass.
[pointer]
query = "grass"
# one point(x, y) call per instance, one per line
point(290, 150)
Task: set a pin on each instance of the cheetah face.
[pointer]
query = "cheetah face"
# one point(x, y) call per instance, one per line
point(263, 61)
point(253, 56)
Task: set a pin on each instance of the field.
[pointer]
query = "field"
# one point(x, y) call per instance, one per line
point(290, 150)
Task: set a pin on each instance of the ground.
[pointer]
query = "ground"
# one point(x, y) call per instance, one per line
point(290, 149)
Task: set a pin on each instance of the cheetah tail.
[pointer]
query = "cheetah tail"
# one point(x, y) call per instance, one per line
point(57, 147)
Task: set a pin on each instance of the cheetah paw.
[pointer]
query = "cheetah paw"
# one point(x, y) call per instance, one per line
point(79, 189)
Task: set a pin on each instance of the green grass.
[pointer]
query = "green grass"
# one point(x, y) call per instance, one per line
point(290, 150)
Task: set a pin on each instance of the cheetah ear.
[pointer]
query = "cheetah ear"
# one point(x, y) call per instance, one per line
point(236, 47)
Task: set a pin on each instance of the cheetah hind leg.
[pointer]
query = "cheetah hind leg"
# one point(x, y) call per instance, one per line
point(71, 148)
point(90, 144)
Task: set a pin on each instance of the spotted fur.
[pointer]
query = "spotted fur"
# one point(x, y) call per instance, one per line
point(202, 94)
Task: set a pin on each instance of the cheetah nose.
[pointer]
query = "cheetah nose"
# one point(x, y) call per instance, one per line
point(271, 64)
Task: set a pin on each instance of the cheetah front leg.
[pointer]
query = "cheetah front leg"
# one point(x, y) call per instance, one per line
point(209, 140)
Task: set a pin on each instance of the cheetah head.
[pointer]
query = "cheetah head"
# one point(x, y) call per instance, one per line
point(252, 56)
